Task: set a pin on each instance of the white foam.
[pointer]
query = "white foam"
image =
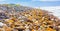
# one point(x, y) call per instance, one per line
point(54, 9)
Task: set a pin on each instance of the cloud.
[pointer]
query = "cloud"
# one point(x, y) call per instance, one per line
point(45, 0)
point(2, 0)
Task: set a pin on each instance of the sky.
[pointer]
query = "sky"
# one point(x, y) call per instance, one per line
point(32, 3)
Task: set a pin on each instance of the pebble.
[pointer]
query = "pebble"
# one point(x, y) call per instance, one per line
point(1, 24)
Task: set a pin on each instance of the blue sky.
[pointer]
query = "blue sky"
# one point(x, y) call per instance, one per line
point(32, 3)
